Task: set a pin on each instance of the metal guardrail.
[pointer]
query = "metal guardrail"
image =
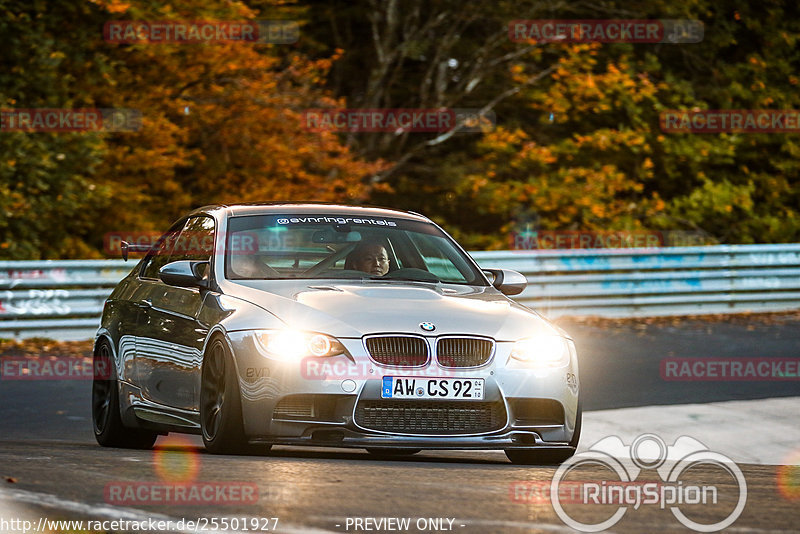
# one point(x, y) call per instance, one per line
point(63, 299)
point(59, 299)
point(656, 282)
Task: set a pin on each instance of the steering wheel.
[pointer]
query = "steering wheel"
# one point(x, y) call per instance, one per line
point(257, 268)
point(329, 261)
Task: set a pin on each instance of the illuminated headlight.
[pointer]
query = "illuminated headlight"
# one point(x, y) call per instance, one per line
point(294, 344)
point(552, 351)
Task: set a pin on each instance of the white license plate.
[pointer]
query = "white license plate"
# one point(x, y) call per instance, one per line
point(403, 387)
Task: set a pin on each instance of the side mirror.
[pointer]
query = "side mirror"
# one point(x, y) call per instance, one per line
point(125, 248)
point(507, 281)
point(184, 273)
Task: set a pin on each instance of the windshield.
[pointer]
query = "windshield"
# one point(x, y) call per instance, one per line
point(279, 247)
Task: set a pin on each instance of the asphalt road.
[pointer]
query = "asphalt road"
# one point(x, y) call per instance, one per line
point(620, 365)
point(54, 469)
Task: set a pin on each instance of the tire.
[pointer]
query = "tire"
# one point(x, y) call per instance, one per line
point(221, 404)
point(388, 453)
point(545, 456)
point(106, 420)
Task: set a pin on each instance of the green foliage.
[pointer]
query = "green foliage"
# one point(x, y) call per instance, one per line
point(49, 191)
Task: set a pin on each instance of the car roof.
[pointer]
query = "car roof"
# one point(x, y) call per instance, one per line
point(306, 208)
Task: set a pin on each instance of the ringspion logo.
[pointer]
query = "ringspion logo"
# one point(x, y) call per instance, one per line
point(624, 489)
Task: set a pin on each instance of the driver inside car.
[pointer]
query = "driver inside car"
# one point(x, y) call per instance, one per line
point(370, 257)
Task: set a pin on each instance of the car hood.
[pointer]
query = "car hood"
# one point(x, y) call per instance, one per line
point(345, 309)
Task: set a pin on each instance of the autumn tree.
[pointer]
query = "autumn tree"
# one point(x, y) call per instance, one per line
point(220, 123)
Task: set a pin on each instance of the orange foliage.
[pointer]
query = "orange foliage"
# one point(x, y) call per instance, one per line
point(221, 122)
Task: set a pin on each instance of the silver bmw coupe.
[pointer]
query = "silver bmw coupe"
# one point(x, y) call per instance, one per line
point(327, 325)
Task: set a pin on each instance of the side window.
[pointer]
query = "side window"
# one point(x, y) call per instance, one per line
point(161, 256)
point(196, 240)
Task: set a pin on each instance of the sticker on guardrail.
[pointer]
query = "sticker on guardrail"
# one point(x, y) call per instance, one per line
point(35, 302)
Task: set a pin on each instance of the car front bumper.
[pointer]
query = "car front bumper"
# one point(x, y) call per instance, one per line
point(292, 403)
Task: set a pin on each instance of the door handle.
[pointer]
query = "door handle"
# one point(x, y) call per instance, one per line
point(143, 304)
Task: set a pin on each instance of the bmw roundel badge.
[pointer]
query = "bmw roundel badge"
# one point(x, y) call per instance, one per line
point(428, 327)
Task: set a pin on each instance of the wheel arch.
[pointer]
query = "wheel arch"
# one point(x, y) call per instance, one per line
point(103, 335)
point(218, 332)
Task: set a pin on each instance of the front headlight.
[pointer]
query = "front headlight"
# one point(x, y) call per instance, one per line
point(550, 350)
point(295, 344)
